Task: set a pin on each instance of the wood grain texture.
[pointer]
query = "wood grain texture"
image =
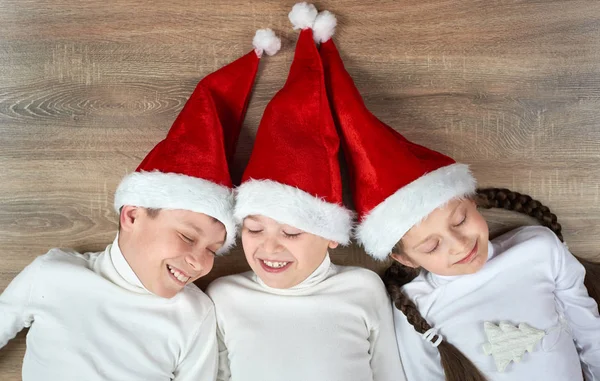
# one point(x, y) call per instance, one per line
point(87, 89)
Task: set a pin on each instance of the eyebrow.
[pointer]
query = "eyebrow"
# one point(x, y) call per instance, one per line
point(201, 232)
point(196, 228)
point(422, 242)
point(429, 236)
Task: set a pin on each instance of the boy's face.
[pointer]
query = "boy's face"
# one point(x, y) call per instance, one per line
point(171, 249)
point(281, 255)
point(452, 240)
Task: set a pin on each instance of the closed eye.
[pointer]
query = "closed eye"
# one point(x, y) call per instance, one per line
point(434, 249)
point(291, 235)
point(253, 231)
point(186, 239)
point(463, 221)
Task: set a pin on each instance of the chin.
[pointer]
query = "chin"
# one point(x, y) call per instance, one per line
point(165, 293)
point(479, 263)
point(276, 284)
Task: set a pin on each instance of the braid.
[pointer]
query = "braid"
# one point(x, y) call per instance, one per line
point(522, 203)
point(394, 278)
point(507, 199)
point(456, 366)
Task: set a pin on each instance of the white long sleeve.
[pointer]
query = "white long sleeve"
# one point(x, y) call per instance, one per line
point(385, 358)
point(224, 374)
point(579, 309)
point(200, 361)
point(15, 311)
point(334, 326)
point(530, 278)
point(92, 319)
point(420, 358)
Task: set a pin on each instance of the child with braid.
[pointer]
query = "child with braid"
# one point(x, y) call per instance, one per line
point(476, 306)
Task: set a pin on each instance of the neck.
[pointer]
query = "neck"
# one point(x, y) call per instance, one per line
point(117, 269)
point(124, 245)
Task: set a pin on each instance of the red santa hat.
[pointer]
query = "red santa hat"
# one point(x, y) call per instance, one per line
point(189, 169)
point(293, 175)
point(395, 182)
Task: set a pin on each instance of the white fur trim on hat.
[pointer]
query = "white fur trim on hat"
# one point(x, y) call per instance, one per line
point(176, 191)
point(324, 26)
point(294, 207)
point(266, 41)
point(386, 224)
point(303, 15)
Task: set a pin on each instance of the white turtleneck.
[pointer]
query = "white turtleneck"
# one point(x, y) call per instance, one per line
point(92, 319)
point(530, 277)
point(336, 325)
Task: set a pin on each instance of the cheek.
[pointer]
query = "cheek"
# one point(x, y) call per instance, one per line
point(308, 254)
point(433, 261)
point(436, 263)
point(165, 246)
point(207, 265)
point(249, 243)
point(480, 225)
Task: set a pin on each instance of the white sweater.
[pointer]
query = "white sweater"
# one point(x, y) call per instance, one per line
point(531, 278)
point(337, 325)
point(92, 319)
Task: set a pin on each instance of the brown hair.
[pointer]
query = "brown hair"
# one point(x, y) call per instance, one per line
point(151, 212)
point(457, 367)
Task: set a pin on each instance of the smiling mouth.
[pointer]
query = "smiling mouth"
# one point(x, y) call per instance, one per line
point(178, 275)
point(274, 266)
point(472, 254)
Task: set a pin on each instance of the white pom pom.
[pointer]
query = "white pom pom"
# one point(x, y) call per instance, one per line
point(266, 41)
point(303, 15)
point(324, 26)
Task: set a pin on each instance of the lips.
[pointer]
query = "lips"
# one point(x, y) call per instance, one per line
point(178, 275)
point(274, 266)
point(472, 254)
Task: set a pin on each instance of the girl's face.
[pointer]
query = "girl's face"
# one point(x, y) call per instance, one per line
point(452, 240)
point(281, 255)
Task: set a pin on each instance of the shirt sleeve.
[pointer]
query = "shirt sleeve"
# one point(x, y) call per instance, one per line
point(421, 360)
point(579, 310)
point(224, 374)
point(200, 362)
point(15, 313)
point(385, 359)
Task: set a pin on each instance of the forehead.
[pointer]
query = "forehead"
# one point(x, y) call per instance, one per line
point(264, 220)
point(268, 222)
point(196, 220)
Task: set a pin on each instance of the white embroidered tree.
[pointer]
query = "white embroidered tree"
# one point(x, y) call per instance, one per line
point(508, 343)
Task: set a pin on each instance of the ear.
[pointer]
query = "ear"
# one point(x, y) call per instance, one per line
point(404, 259)
point(128, 216)
point(333, 244)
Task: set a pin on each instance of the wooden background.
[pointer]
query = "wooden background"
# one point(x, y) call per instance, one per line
point(86, 90)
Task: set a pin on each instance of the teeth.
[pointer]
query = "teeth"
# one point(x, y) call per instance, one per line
point(180, 277)
point(275, 265)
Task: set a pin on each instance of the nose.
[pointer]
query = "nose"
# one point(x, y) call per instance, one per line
point(459, 242)
point(271, 245)
point(196, 259)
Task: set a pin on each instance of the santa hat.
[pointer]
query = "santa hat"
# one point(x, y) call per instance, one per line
point(293, 175)
point(189, 169)
point(395, 182)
